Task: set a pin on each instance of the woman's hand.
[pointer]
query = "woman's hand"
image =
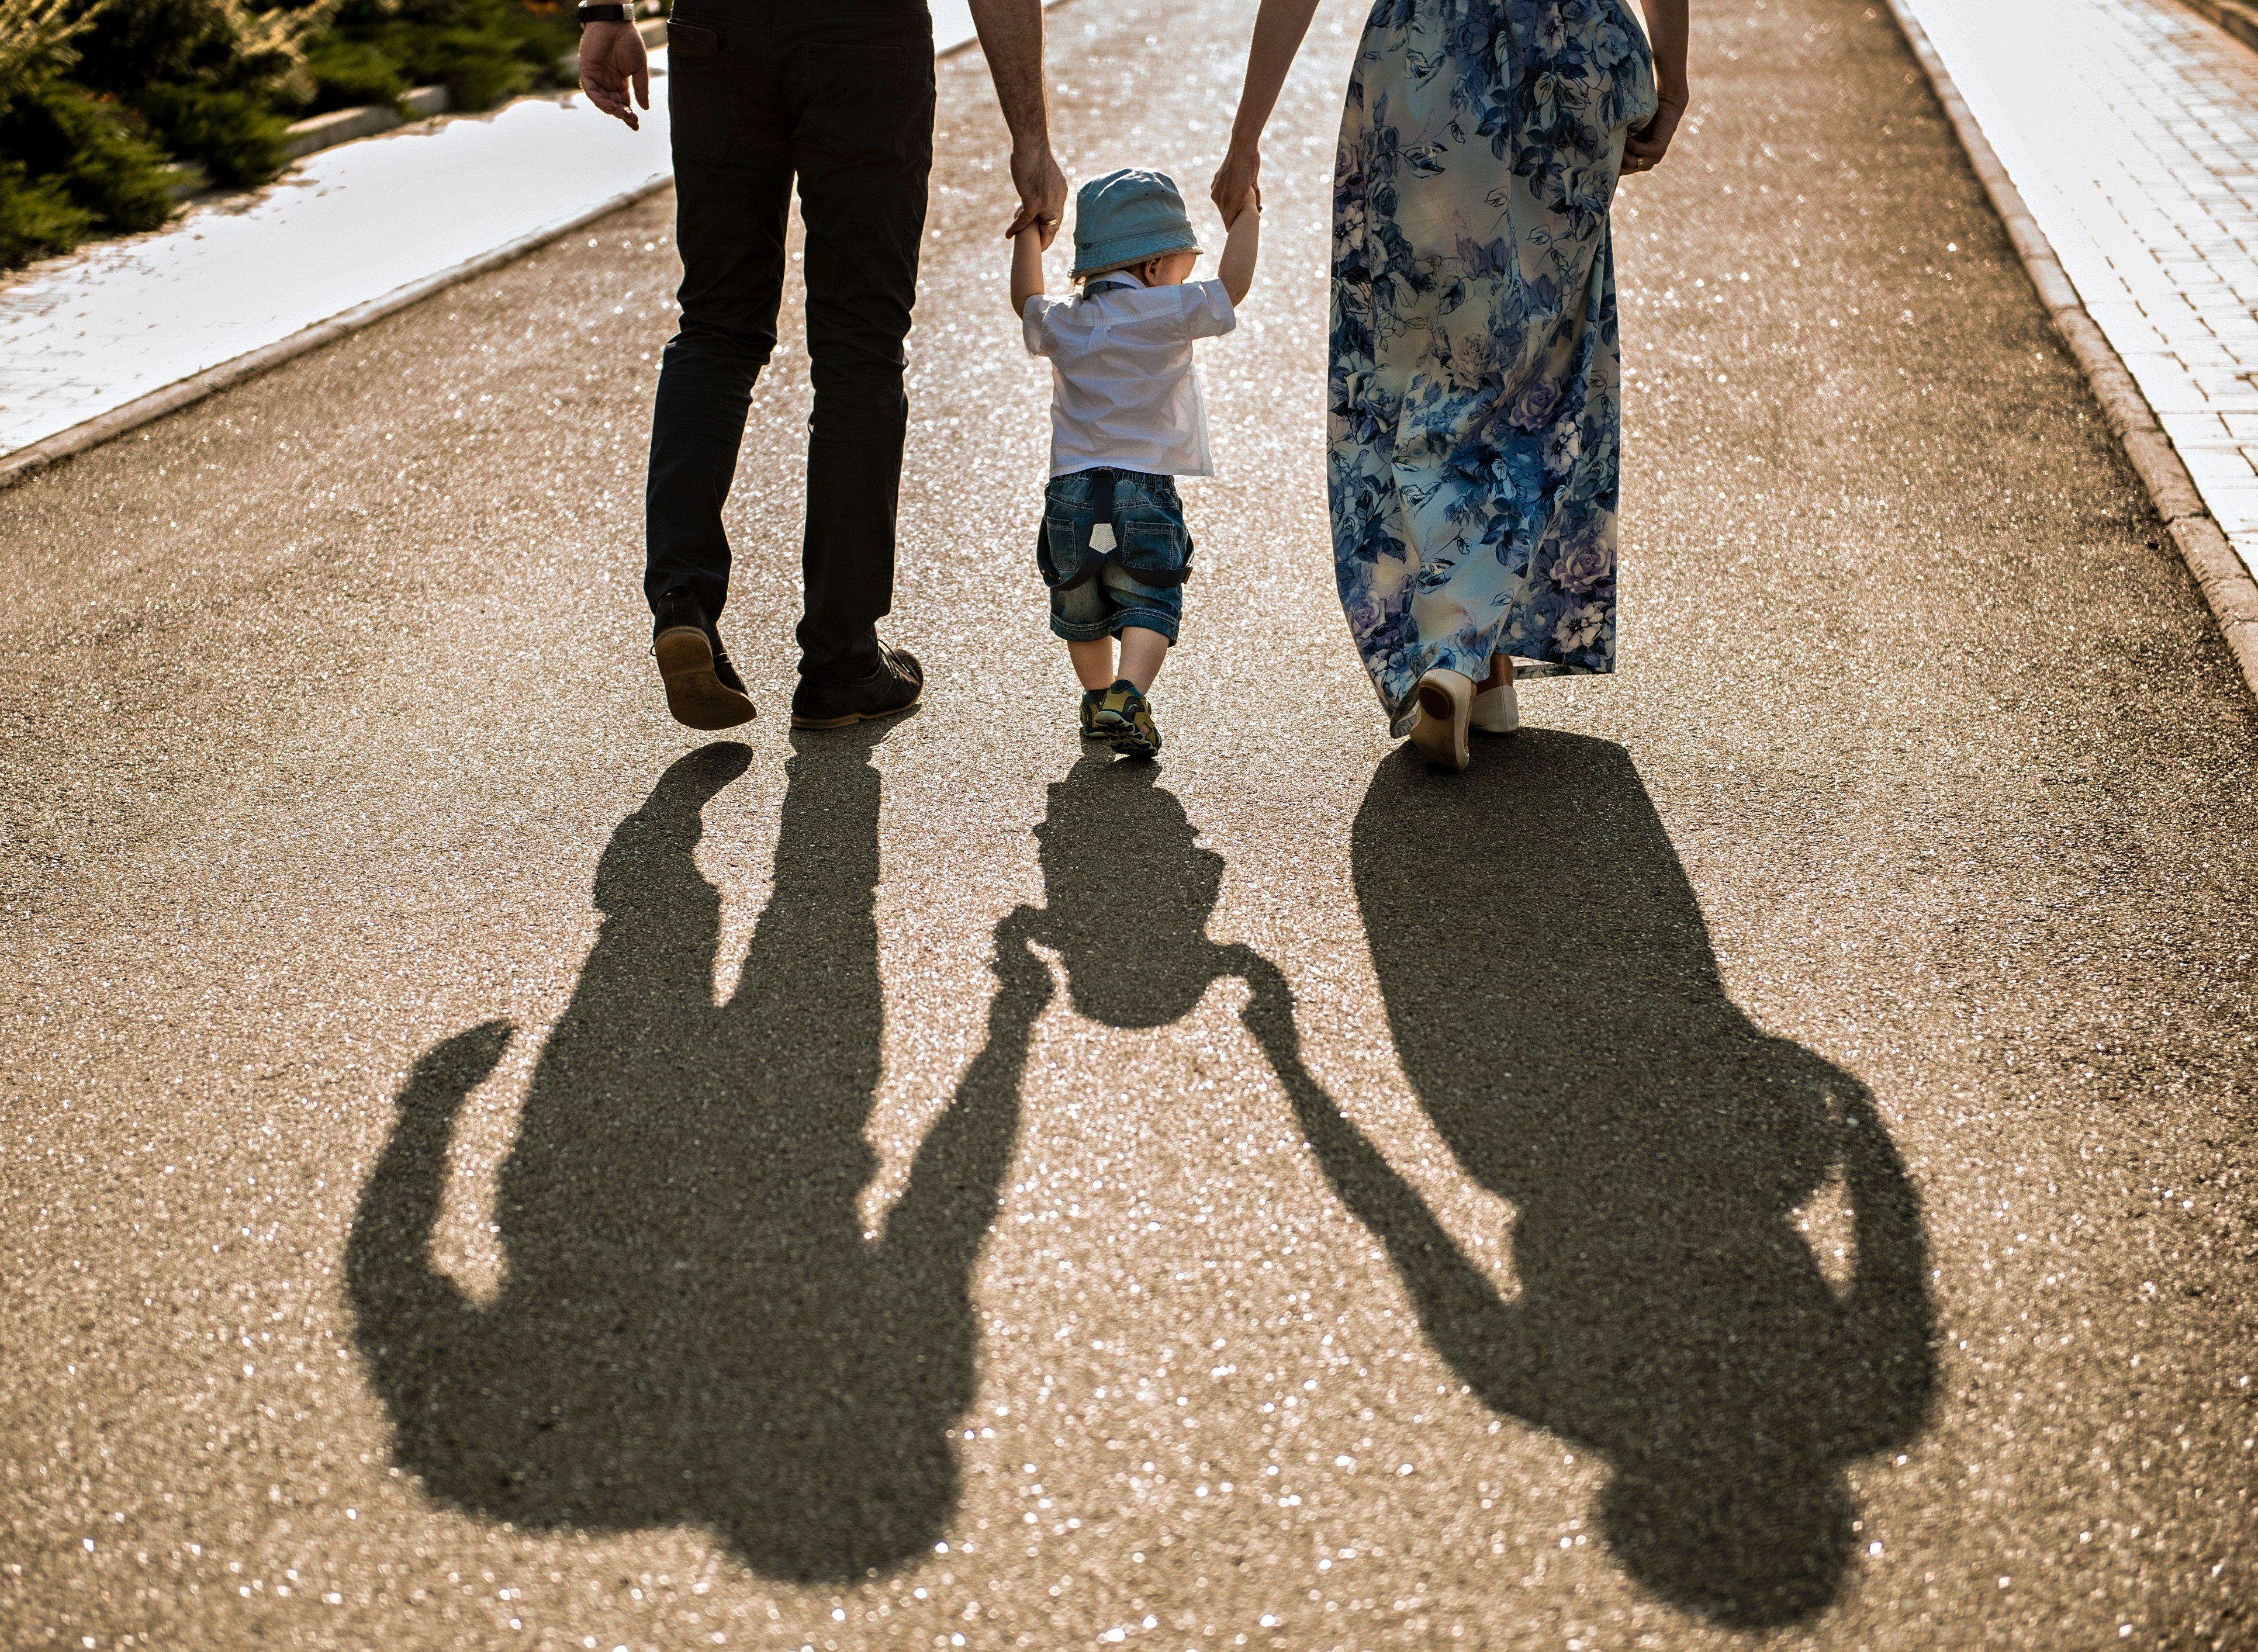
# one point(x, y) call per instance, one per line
point(1644, 149)
point(1237, 187)
point(1665, 29)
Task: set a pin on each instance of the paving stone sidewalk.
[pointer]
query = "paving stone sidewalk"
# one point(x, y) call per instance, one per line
point(2131, 129)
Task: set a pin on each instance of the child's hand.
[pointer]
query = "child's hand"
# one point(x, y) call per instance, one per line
point(1243, 238)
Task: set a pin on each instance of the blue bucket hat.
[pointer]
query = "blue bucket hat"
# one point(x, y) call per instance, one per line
point(1127, 216)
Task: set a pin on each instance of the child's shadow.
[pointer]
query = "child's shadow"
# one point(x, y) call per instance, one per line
point(693, 1327)
point(1127, 893)
point(1556, 1007)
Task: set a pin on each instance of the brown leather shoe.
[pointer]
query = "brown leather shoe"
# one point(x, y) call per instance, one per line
point(703, 690)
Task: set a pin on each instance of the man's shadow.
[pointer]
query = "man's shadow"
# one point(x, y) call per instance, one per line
point(1556, 1007)
point(694, 1328)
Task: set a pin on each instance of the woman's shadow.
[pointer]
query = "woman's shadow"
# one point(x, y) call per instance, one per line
point(693, 1327)
point(1556, 1007)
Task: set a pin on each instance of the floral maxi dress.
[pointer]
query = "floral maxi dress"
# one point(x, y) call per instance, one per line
point(1475, 399)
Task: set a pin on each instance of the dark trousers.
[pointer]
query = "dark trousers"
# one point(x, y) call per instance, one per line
point(842, 99)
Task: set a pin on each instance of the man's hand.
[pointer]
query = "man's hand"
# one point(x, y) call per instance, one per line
point(1237, 184)
point(1042, 193)
point(1011, 40)
point(612, 59)
point(1644, 149)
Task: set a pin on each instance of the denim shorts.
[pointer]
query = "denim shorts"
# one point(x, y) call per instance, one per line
point(1095, 596)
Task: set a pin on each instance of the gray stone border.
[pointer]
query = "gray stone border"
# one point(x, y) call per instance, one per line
point(317, 133)
point(2226, 583)
point(16, 466)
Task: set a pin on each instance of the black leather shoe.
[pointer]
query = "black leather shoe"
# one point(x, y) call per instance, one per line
point(703, 690)
point(891, 690)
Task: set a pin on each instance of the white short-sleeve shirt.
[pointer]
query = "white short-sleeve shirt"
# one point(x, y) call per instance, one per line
point(1124, 392)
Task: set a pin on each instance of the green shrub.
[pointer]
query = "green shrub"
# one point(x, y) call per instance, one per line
point(89, 149)
point(482, 71)
point(347, 74)
point(236, 137)
point(222, 45)
point(483, 51)
point(37, 219)
point(114, 172)
point(91, 89)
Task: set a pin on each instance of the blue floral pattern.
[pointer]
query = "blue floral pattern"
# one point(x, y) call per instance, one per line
point(1475, 396)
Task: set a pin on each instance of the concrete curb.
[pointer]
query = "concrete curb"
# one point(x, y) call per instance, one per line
point(64, 443)
point(2226, 583)
point(317, 133)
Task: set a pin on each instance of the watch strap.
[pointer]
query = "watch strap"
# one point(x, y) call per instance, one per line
point(610, 13)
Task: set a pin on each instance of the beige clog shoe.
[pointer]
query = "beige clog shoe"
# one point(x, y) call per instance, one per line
point(1446, 703)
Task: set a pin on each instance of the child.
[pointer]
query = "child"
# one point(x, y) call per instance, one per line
point(1126, 421)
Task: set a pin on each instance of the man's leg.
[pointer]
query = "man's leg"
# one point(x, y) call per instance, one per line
point(862, 141)
point(732, 186)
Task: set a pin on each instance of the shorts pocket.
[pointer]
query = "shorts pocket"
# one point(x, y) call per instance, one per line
point(1059, 553)
point(1156, 553)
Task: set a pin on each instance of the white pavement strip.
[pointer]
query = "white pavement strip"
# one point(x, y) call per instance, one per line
point(345, 228)
point(2130, 127)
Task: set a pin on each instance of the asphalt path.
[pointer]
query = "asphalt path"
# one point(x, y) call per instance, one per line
point(1765, 1157)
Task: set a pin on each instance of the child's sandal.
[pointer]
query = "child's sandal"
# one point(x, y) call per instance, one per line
point(1124, 719)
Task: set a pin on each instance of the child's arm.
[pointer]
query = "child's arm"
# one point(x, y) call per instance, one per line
point(1240, 244)
point(1026, 269)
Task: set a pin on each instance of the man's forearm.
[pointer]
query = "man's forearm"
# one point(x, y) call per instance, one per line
point(1012, 37)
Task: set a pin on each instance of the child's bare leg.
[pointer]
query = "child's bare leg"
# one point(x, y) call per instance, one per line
point(1093, 662)
point(1142, 654)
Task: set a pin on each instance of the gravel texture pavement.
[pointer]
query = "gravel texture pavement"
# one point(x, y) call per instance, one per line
point(1765, 1157)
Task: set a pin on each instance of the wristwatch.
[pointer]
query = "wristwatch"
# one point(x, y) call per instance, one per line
point(600, 14)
